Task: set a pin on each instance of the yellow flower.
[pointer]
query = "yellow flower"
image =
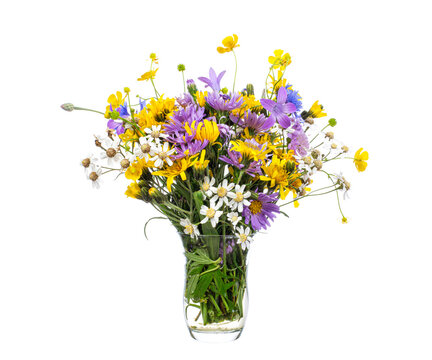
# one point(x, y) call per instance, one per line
point(205, 130)
point(128, 135)
point(344, 220)
point(115, 101)
point(133, 190)
point(161, 109)
point(316, 110)
point(249, 103)
point(280, 60)
point(148, 75)
point(250, 149)
point(154, 58)
point(178, 168)
point(277, 82)
point(201, 163)
point(134, 171)
point(200, 98)
point(229, 43)
point(360, 159)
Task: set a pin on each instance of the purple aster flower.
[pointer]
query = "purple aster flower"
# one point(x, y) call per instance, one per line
point(299, 142)
point(234, 158)
point(185, 100)
point(176, 127)
point(223, 102)
point(224, 131)
point(213, 81)
point(116, 125)
point(261, 210)
point(254, 121)
point(189, 148)
point(279, 109)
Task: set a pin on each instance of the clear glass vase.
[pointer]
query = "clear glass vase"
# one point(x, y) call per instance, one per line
point(215, 296)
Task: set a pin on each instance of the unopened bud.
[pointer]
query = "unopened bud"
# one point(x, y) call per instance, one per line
point(111, 152)
point(329, 135)
point(318, 164)
point(315, 153)
point(345, 149)
point(309, 120)
point(249, 89)
point(333, 146)
point(67, 107)
point(181, 67)
point(126, 90)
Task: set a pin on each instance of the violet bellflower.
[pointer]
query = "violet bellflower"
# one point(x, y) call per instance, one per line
point(280, 109)
point(213, 81)
point(261, 210)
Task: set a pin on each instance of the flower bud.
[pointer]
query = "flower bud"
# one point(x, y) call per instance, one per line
point(318, 164)
point(310, 121)
point(307, 160)
point(93, 176)
point(181, 67)
point(315, 153)
point(329, 135)
point(126, 90)
point(334, 146)
point(67, 107)
point(85, 162)
point(332, 122)
point(224, 90)
point(345, 149)
point(249, 89)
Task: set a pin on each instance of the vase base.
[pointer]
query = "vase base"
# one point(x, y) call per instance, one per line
point(214, 336)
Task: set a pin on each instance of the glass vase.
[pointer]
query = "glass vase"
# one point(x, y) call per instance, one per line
point(215, 295)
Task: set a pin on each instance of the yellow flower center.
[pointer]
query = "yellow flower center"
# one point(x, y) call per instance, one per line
point(162, 155)
point(239, 197)
point(86, 162)
point(124, 163)
point(111, 152)
point(243, 237)
point(189, 229)
point(155, 134)
point(145, 148)
point(93, 176)
point(222, 192)
point(206, 186)
point(210, 213)
point(255, 207)
point(234, 218)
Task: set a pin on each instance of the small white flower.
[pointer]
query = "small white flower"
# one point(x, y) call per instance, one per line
point(234, 218)
point(155, 133)
point(162, 154)
point(112, 153)
point(239, 198)
point(207, 186)
point(94, 176)
point(221, 192)
point(144, 149)
point(244, 238)
point(189, 228)
point(89, 163)
point(211, 213)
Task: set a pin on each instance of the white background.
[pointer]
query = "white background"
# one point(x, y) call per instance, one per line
point(78, 280)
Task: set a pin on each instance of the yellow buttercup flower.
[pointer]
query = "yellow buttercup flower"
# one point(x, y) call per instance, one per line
point(280, 60)
point(148, 75)
point(134, 171)
point(114, 102)
point(133, 190)
point(360, 159)
point(178, 168)
point(229, 43)
point(316, 110)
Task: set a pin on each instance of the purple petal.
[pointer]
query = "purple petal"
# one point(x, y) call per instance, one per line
point(291, 107)
point(282, 95)
point(205, 80)
point(220, 76)
point(267, 104)
point(284, 121)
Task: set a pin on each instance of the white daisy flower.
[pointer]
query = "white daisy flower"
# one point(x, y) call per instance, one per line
point(207, 186)
point(144, 149)
point(89, 163)
point(221, 193)
point(162, 154)
point(189, 228)
point(244, 238)
point(234, 218)
point(155, 133)
point(211, 213)
point(239, 198)
point(112, 153)
point(94, 176)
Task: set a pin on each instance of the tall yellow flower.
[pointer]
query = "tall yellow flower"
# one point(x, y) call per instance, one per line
point(133, 190)
point(229, 43)
point(360, 159)
point(148, 75)
point(317, 110)
point(280, 60)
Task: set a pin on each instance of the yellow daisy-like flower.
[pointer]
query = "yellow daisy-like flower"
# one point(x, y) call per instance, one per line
point(148, 75)
point(229, 43)
point(360, 159)
point(161, 109)
point(128, 135)
point(316, 110)
point(276, 82)
point(154, 58)
point(200, 98)
point(249, 103)
point(205, 130)
point(280, 60)
point(134, 171)
point(178, 168)
point(133, 190)
point(115, 101)
point(201, 163)
point(250, 149)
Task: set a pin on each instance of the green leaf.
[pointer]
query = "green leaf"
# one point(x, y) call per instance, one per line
point(191, 286)
point(202, 286)
point(283, 213)
point(200, 256)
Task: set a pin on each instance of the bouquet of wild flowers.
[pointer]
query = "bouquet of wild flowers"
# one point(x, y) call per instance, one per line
point(217, 164)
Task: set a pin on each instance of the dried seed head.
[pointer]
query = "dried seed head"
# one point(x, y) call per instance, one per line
point(111, 152)
point(318, 164)
point(110, 133)
point(315, 153)
point(346, 183)
point(98, 143)
point(345, 149)
point(125, 163)
point(333, 146)
point(302, 192)
point(93, 176)
point(307, 160)
point(85, 162)
point(330, 135)
point(309, 120)
point(145, 148)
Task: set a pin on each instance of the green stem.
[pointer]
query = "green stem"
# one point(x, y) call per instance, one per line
point(235, 73)
point(80, 108)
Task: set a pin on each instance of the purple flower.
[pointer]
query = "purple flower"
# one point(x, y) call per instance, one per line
point(261, 210)
point(123, 110)
point(176, 127)
point(189, 148)
point(142, 104)
point(299, 142)
point(185, 100)
point(254, 121)
point(224, 131)
point(293, 97)
point(223, 102)
point(213, 81)
point(234, 158)
point(280, 109)
point(116, 125)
